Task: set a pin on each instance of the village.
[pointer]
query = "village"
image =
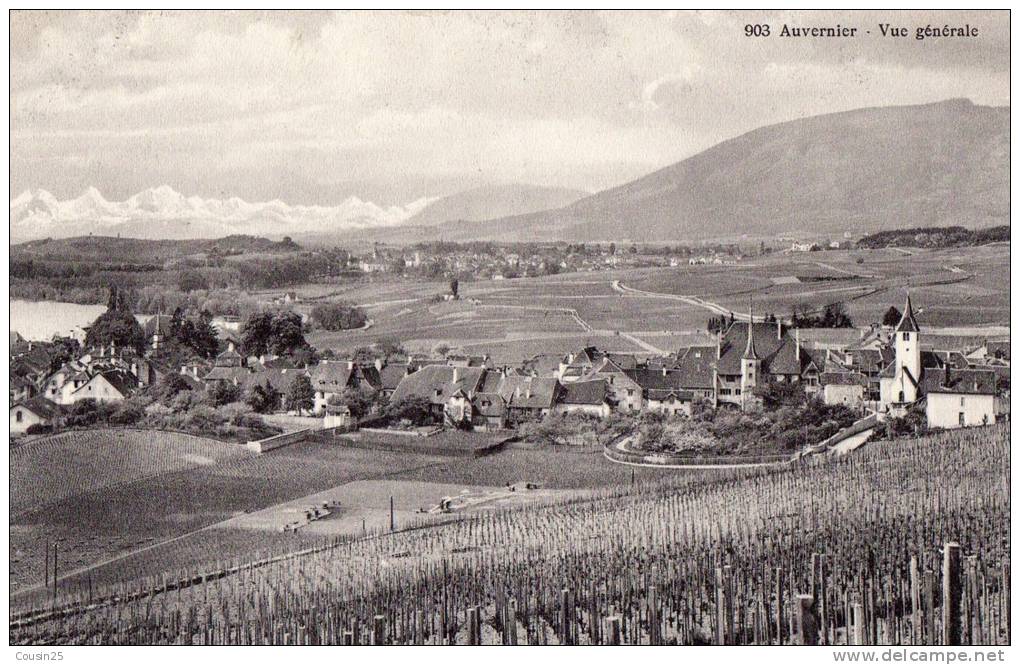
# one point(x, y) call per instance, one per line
point(891, 371)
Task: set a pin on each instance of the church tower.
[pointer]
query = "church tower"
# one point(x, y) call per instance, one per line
point(750, 363)
point(908, 355)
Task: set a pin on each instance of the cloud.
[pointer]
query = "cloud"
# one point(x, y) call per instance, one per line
point(310, 101)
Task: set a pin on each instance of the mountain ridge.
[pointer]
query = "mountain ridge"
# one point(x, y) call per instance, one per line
point(862, 170)
point(161, 212)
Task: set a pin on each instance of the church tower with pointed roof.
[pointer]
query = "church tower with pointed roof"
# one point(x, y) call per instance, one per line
point(908, 355)
point(750, 363)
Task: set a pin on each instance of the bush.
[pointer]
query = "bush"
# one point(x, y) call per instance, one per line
point(414, 409)
point(39, 428)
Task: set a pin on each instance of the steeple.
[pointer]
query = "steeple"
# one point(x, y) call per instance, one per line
point(907, 322)
point(749, 352)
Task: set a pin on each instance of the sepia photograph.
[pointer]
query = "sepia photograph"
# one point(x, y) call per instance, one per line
point(432, 328)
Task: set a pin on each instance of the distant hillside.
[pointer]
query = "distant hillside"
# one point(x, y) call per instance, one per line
point(861, 171)
point(493, 201)
point(946, 236)
point(107, 249)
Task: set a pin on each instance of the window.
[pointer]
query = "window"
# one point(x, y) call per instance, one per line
point(961, 402)
point(18, 416)
point(961, 419)
point(902, 397)
point(906, 337)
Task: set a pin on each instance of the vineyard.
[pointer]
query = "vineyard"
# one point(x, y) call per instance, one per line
point(905, 542)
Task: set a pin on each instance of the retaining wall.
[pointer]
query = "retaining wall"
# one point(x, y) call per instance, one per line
point(278, 441)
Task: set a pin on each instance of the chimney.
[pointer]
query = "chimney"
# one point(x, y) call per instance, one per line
point(779, 328)
point(230, 345)
point(456, 374)
point(350, 364)
point(718, 346)
point(194, 371)
point(184, 369)
point(796, 342)
point(664, 370)
point(378, 364)
point(134, 368)
point(945, 380)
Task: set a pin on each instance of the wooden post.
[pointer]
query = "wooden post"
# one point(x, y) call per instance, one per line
point(721, 611)
point(393, 523)
point(1005, 589)
point(379, 630)
point(564, 616)
point(858, 620)
point(779, 606)
point(511, 621)
point(46, 557)
point(917, 625)
point(807, 624)
point(472, 620)
point(54, 574)
point(951, 594)
point(614, 630)
point(929, 607)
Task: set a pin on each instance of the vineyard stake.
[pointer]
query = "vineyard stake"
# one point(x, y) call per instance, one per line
point(807, 625)
point(951, 594)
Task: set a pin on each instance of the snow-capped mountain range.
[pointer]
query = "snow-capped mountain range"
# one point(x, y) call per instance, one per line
point(162, 212)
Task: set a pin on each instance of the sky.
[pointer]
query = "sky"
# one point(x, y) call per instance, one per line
point(314, 107)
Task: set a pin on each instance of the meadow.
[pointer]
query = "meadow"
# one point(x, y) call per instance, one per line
point(818, 552)
point(513, 320)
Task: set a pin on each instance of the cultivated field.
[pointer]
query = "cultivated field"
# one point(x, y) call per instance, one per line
point(699, 558)
point(516, 319)
point(126, 517)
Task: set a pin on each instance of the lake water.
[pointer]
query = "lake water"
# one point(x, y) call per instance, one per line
point(40, 320)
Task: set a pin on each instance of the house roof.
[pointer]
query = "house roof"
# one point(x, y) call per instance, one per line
point(584, 393)
point(663, 395)
point(488, 404)
point(336, 376)
point(41, 407)
point(391, 375)
point(959, 382)
point(529, 392)
point(123, 382)
point(773, 344)
point(432, 378)
point(227, 374)
point(843, 379)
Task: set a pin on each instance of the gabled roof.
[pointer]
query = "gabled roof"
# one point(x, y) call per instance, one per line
point(773, 345)
point(907, 321)
point(843, 379)
point(960, 382)
point(592, 393)
point(122, 382)
point(391, 375)
point(530, 392)
point(488, 404)
point(227, 374)
point(41, 407)
point(432, 378)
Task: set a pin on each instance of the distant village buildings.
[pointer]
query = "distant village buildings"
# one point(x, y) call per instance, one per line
point(890, 371)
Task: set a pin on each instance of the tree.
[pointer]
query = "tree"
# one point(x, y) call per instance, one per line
point(262, 398)
point(267, 332)
point(455, 287)
point(357, 402)
point(117, 325)
point(170, 385)
point(892, 316)
point(301, 395)
point(224, 392)
point(413, 408)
